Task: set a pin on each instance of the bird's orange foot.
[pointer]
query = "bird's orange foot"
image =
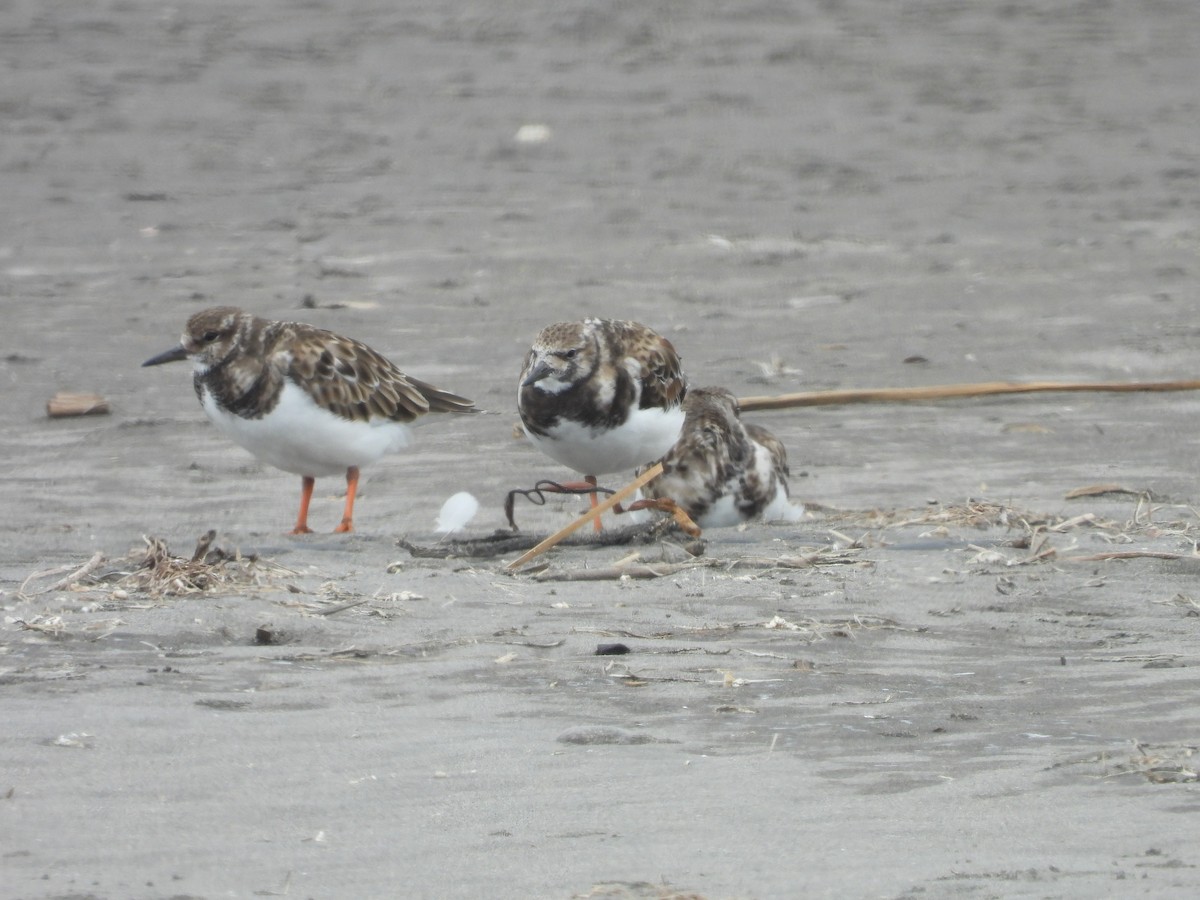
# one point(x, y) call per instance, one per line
point(685, 522)
point(301, 529)
point(344, 526)
point(667, 505)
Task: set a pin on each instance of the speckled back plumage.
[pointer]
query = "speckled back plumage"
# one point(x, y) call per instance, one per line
point(249, 358)
point(779, 464)
point(302, 399)
point(720, 470)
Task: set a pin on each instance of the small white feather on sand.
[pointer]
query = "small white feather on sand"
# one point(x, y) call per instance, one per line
point(456, 513)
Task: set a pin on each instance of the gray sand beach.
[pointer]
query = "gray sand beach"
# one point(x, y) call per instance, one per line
point(969, 672)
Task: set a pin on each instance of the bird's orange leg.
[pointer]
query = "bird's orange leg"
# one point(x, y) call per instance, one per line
point(306, 489)
point(591, 479)
point(347, 523)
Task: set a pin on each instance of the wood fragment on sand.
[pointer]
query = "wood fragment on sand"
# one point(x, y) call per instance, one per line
point(65, 405)
point(953, 391)
point(616, 573)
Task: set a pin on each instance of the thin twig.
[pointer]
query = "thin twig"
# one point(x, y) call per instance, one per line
point(1131, 554)
point(202, 544)
point(75, 574)
point(342, 607)
point(1098, 490)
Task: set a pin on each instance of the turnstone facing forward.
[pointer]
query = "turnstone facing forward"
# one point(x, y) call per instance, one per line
point(721, 471)
point(601, 396)
point(302, 399)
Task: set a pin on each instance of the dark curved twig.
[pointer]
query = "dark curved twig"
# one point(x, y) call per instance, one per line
point(537, 495)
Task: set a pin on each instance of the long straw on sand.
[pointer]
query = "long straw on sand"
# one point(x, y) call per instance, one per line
point(951, 391)
point(869, 395)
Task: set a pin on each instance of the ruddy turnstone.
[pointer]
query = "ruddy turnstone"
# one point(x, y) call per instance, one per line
point(601, 396)
point(302, 399)
point(721, 471)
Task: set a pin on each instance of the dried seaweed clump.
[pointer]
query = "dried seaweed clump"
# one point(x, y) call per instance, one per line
point(1162, 763)
point(209, 570)
point(1157, 763)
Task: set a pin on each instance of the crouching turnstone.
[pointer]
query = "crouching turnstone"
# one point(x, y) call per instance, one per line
point(721, 471)
point(302, 399)
point(601, 396)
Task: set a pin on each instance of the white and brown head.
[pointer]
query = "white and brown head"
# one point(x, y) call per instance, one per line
point(562, 355)
point(210, 337)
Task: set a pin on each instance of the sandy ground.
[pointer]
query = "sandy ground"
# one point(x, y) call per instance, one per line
point(952, 701)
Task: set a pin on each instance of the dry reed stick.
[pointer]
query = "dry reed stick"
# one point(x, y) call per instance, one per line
point(951, 391)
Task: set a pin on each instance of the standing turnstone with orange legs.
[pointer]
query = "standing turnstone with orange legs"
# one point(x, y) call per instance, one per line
point(601, 396)
point(303, 399)
point(721, 471)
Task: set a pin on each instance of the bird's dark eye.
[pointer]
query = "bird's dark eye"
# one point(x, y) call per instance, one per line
point(570, 354)
point(210, 336)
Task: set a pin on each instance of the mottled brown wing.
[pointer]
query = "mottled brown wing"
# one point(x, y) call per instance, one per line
point(774, 447)
point(663, 382)
point(707, 443)
point(442, 401)
point(353, 381)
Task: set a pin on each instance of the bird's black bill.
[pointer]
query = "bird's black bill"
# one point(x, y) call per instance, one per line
point(540, 370)
point(175, 354)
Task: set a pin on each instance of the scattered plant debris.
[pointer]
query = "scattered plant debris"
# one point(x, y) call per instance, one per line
point(1157, 763)
point(207, 570)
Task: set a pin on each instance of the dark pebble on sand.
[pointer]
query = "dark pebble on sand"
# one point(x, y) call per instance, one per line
point(611, 649)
